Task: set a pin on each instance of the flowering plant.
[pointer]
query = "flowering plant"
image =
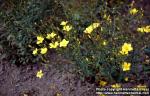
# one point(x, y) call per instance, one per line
point(105, 40)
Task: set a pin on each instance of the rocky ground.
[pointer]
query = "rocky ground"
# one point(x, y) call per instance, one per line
point(59, 78)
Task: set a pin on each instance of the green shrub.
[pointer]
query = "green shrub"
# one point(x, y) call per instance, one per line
point(102, 40)
point(98, 53)
point(23, 20)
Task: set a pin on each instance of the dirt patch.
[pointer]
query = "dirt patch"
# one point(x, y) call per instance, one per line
point(59, 77)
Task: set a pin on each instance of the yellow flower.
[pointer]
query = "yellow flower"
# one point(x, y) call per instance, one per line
point(104, 43)
point(35, 51)
point(67, 28)
point(126, 48)
point(39, 74)
point(145, 29)
point(140, 30)
point(90, 28)
point(63, 23)
point(53, 45)
point(102, 83)
point(43, 50)
point(64, 43)
point(39, 39)
point(126, 78)
point(126, 66)
point(133, 11)
point(116, 85)
point(50, 36)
